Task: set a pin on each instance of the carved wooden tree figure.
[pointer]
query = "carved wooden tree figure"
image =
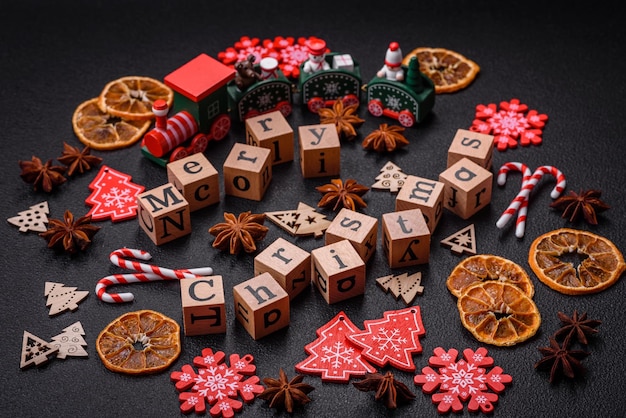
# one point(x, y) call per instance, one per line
point(70, 342)
point(61, 298)
point(33, 219)
point(390, 178)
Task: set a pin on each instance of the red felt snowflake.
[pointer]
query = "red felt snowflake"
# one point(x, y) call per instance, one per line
point(332, 356)
point(218, 384)
point(290, 52)
point(511, 124)
point(462, 380)
point(392, 339)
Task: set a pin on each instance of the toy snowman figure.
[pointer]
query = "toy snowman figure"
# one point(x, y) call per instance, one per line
point(317, 56)
point(392, 69)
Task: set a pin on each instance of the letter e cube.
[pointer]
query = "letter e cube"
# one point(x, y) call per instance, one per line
point(196, 178)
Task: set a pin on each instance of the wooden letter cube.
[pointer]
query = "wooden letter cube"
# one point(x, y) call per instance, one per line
point(261, 305)
point(360, 229)
point(196, 178)
point(288, 264)
point(338, 271)
point(467, 187)
point(271, 131)
point(473, 145)
point(204, 310)
point(247, 171)
point(163, 214)
point(423, 194)
point(406, 238)
point(319, 150)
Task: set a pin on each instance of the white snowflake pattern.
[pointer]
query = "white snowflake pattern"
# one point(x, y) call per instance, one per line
point(337, 354)
point(393, 103)
point(117, 198)
point(389, 339)
point(265, 100)
point(331, 88)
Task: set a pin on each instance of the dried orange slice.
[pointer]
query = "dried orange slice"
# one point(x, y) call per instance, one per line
point(601, 267)
point(132, 97)
point(449, 70)
point(103, 131)
point(484, 267)
point(139, 342)
point(498, 313)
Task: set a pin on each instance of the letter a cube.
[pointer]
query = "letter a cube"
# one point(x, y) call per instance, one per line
point(196, 178)
point(473, 145)
point(467, 187)
point(423, 194)
point(271, 131)
point(338, 271)
point(288, 264)
point(163, 214)
point(406, 238)
point(204, 310)
point(247, 171)
point(360, 229)
point(319, 150)
point(261, 305)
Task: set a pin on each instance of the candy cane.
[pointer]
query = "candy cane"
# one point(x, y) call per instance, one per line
point(523, 196)
point(150, 273)
point(518, 203)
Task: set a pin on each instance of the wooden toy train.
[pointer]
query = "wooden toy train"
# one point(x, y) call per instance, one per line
point(208, 94)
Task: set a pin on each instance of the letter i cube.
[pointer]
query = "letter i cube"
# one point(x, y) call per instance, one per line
point(271, 131)
point(467, 187)
point(261, 305)
point(247, 171)
point(320, 154)
point(406, 238)
point(473, 145)
point(338, 271)
point(288, 264)
point(360, 229)
point(204, 310)
point(423, 194)
point(196, 178)
point(163, 213)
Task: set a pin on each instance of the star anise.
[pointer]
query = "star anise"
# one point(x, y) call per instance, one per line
point(75, 159)
point(586, 204)
point(385, 138)
point(561, 360)
point(343, 117)
point(72, 235)
point(284, 393)
point(239, 232)
point(578, 326)
point(43, 176)
point(347, 195)
point(387, 388)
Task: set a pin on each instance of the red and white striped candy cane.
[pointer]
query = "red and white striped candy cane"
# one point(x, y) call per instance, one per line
point(518, 203)
point(149, 273)
point(524, 195)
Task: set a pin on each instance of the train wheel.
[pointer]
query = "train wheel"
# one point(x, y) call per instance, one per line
point(350, 100)
point(406, 118)
point(198, 144)
point(315, 104)
point(284, 108)
point(178, 154)
point(375, 107)
point(220, 127)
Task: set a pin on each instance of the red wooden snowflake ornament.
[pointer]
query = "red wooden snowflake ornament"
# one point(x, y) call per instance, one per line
point(510, 124)
point(216, 383)
point(392, 339)
point(113, 196)
point(332, 356)
point(462, 380)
